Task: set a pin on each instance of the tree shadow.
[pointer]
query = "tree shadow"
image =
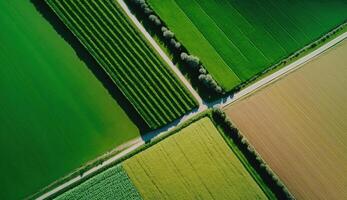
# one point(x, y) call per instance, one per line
point(83, 54)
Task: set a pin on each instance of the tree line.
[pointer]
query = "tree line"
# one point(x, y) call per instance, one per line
point(270, 178)
point(192, 62)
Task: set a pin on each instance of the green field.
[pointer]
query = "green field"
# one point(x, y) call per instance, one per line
point(195, 163)
point(113, 183)
point(236, 39)
point(123, 52)
point(55, 115)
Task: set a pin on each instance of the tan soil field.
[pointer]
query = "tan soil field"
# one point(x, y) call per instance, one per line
point(298, 124)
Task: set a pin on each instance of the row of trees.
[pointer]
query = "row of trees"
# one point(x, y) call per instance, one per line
point(191, 61)
point(252, 156)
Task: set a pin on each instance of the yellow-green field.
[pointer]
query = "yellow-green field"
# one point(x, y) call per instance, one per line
point(299, 126)
point(195, 163)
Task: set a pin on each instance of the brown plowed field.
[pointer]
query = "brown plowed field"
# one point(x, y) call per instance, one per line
point(299, 126)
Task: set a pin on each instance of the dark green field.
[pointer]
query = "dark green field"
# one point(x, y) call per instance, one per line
point(244, 37)
point(55, 115)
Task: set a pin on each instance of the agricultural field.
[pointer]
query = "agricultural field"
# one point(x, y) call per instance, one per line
point(121, 50)
point(195, 163)
point(237, 39)
point(298, 124)
point(55, 115)
point(113, 183)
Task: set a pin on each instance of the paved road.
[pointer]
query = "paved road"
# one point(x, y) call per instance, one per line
point(202, 105)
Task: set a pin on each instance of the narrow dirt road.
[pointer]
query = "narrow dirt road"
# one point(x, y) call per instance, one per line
point(160, 51)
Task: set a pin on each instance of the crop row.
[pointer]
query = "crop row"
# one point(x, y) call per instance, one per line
point(143, 78)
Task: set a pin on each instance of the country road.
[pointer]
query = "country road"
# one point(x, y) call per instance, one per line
point(137, 142)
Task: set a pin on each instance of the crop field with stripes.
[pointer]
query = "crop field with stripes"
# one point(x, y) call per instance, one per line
point(147, 82)
point(236, 39)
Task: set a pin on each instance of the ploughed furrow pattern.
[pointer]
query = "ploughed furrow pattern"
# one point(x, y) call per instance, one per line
point(127, 58)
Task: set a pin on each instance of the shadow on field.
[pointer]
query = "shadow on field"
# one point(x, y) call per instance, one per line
point(93, 66)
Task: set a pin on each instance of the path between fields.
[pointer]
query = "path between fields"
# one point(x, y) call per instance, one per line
point(160, 51)
point(138, 142)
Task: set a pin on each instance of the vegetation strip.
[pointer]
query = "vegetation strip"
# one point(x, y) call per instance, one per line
point(135, 68)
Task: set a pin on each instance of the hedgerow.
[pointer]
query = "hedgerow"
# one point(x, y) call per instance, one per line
point(279, 189)
point(206, 81)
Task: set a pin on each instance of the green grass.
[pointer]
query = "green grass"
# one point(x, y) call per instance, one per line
point(112, 183)
point(55, 114)
point(194, 163)
point(124, 54)
point(236, 39)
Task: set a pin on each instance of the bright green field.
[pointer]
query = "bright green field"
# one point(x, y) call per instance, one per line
point(236, 39)
point(195, 163)
point(55, 115)
point(121, 50)
point(113, 183)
